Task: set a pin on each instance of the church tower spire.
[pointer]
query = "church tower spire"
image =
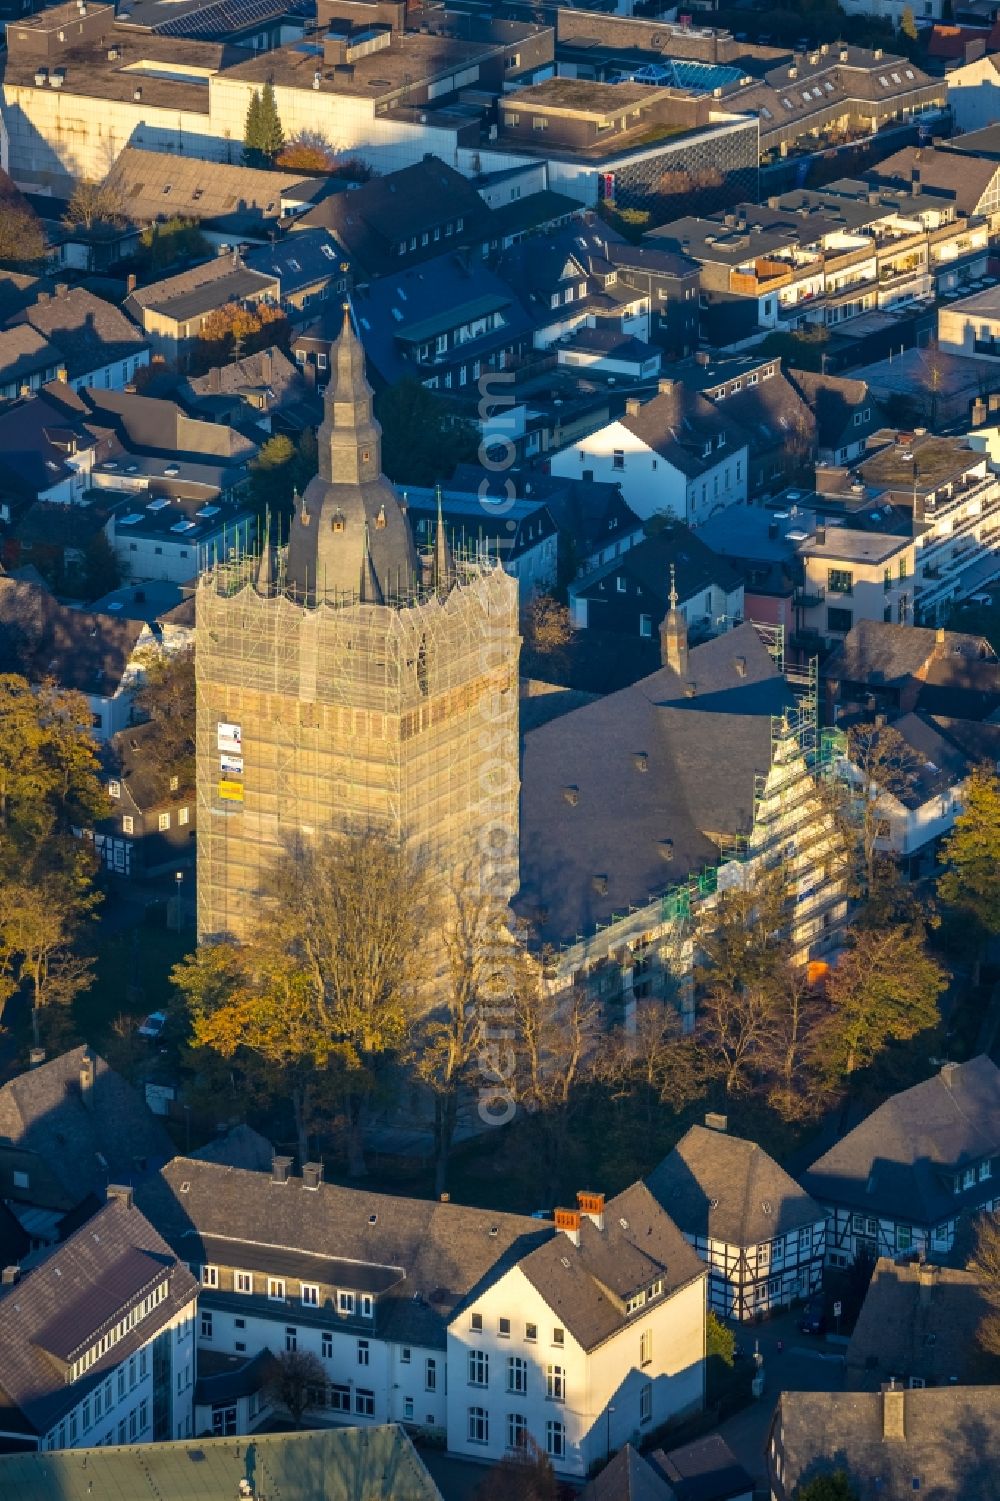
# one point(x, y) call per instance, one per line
point(673, 633)
point(349, 538)
point(444, 563)
point(349, 438)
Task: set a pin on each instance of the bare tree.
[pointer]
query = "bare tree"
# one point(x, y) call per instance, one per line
point(478, 946)
point(293, 1380)
point(95, 203)
point(986, 1264)
point(887, 768)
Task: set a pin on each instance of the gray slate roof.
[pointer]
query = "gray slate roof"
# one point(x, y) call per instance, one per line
point(919, 1321)
point(41, 638)
point(25, 352)
point(727, 1188)
point(881, 654)
point(952, 1438)
point(902, 1160)
point(242, 1146)
point(678, 425)
point(627, 1478)
point(88, 332)
point(75, 1294)
point(340, 1464)
point(442, 1250)
point(112, 1137)
point(597, 820)
point(585, 1285)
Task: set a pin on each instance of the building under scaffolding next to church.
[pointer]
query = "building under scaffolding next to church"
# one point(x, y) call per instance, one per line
point(345, 683)
point(639, 807)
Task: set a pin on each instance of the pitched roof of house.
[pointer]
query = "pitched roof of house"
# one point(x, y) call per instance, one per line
point(965, 179)
point(881, 654)
point(696, 568)
point(24, 352)
point(919, 1320)
point(61, 1307)
point(347, 1463)
point(950, 1443)
point(41, 638)
point(726, 1188)
point(299, 260)
point(270, 372)
point(586, 511)
point(241, 1146)
point(84, 1139)
point(834, 400)
point(587, 1285)
point(373, 219)
point(428, 1256)
point(199, 289)
point(685, 428)
point(901, 1161)
point(628, 1477)
point(620, 798)
point(88, 332)
point(704, 1470)
point(156, 184)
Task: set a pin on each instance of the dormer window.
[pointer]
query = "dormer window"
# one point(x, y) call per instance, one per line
point(114, 789)
point(338, 523)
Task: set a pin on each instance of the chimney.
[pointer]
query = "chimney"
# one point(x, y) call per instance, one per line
point(215, 378)
point(312, 1175)
point(915, 180)
point(87, 1081)
point(893, 1412)
point(701, 358)
point(265, 366)
point(36, 1057)
point(665, 385)
point(43, 297)
point(62, 375)
point(632, 406)
point(820, 537)
point(10, 1276)
point(568, 1221)
point(939, 636)
point(716, 1122)
point(592, 1205)
point(62, 287)
point(280, 1168)
point(130, 284)
point(120, 1191)
point(928, 1276)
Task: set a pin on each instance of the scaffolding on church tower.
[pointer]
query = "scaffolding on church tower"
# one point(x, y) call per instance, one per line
point(343, 687)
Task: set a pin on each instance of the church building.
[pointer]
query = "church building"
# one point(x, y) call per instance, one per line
point(345, 683)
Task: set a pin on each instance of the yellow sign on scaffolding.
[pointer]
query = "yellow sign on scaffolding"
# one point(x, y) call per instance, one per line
point(231, 792)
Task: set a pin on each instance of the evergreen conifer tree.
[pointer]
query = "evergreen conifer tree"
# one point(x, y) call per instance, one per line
point(272, 137)
point(253, 156)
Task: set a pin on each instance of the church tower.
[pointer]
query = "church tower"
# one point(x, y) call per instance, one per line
point(342, 686)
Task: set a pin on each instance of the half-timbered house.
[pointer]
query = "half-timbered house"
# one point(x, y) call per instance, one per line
point(760, 1233)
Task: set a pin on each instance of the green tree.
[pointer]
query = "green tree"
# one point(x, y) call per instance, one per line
point(272, 137)
point(970, 882)
point(323, 996)
point(885, 988)
point(422, 438)
point(272, 476)
point(835, 1487)
point(175, 239)
point(22, 239)
point(253, 154)
point(908, 25)
point(50, 786)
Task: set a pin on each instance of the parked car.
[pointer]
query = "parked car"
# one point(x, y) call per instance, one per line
point(813, 1320)
point(154, 1024)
